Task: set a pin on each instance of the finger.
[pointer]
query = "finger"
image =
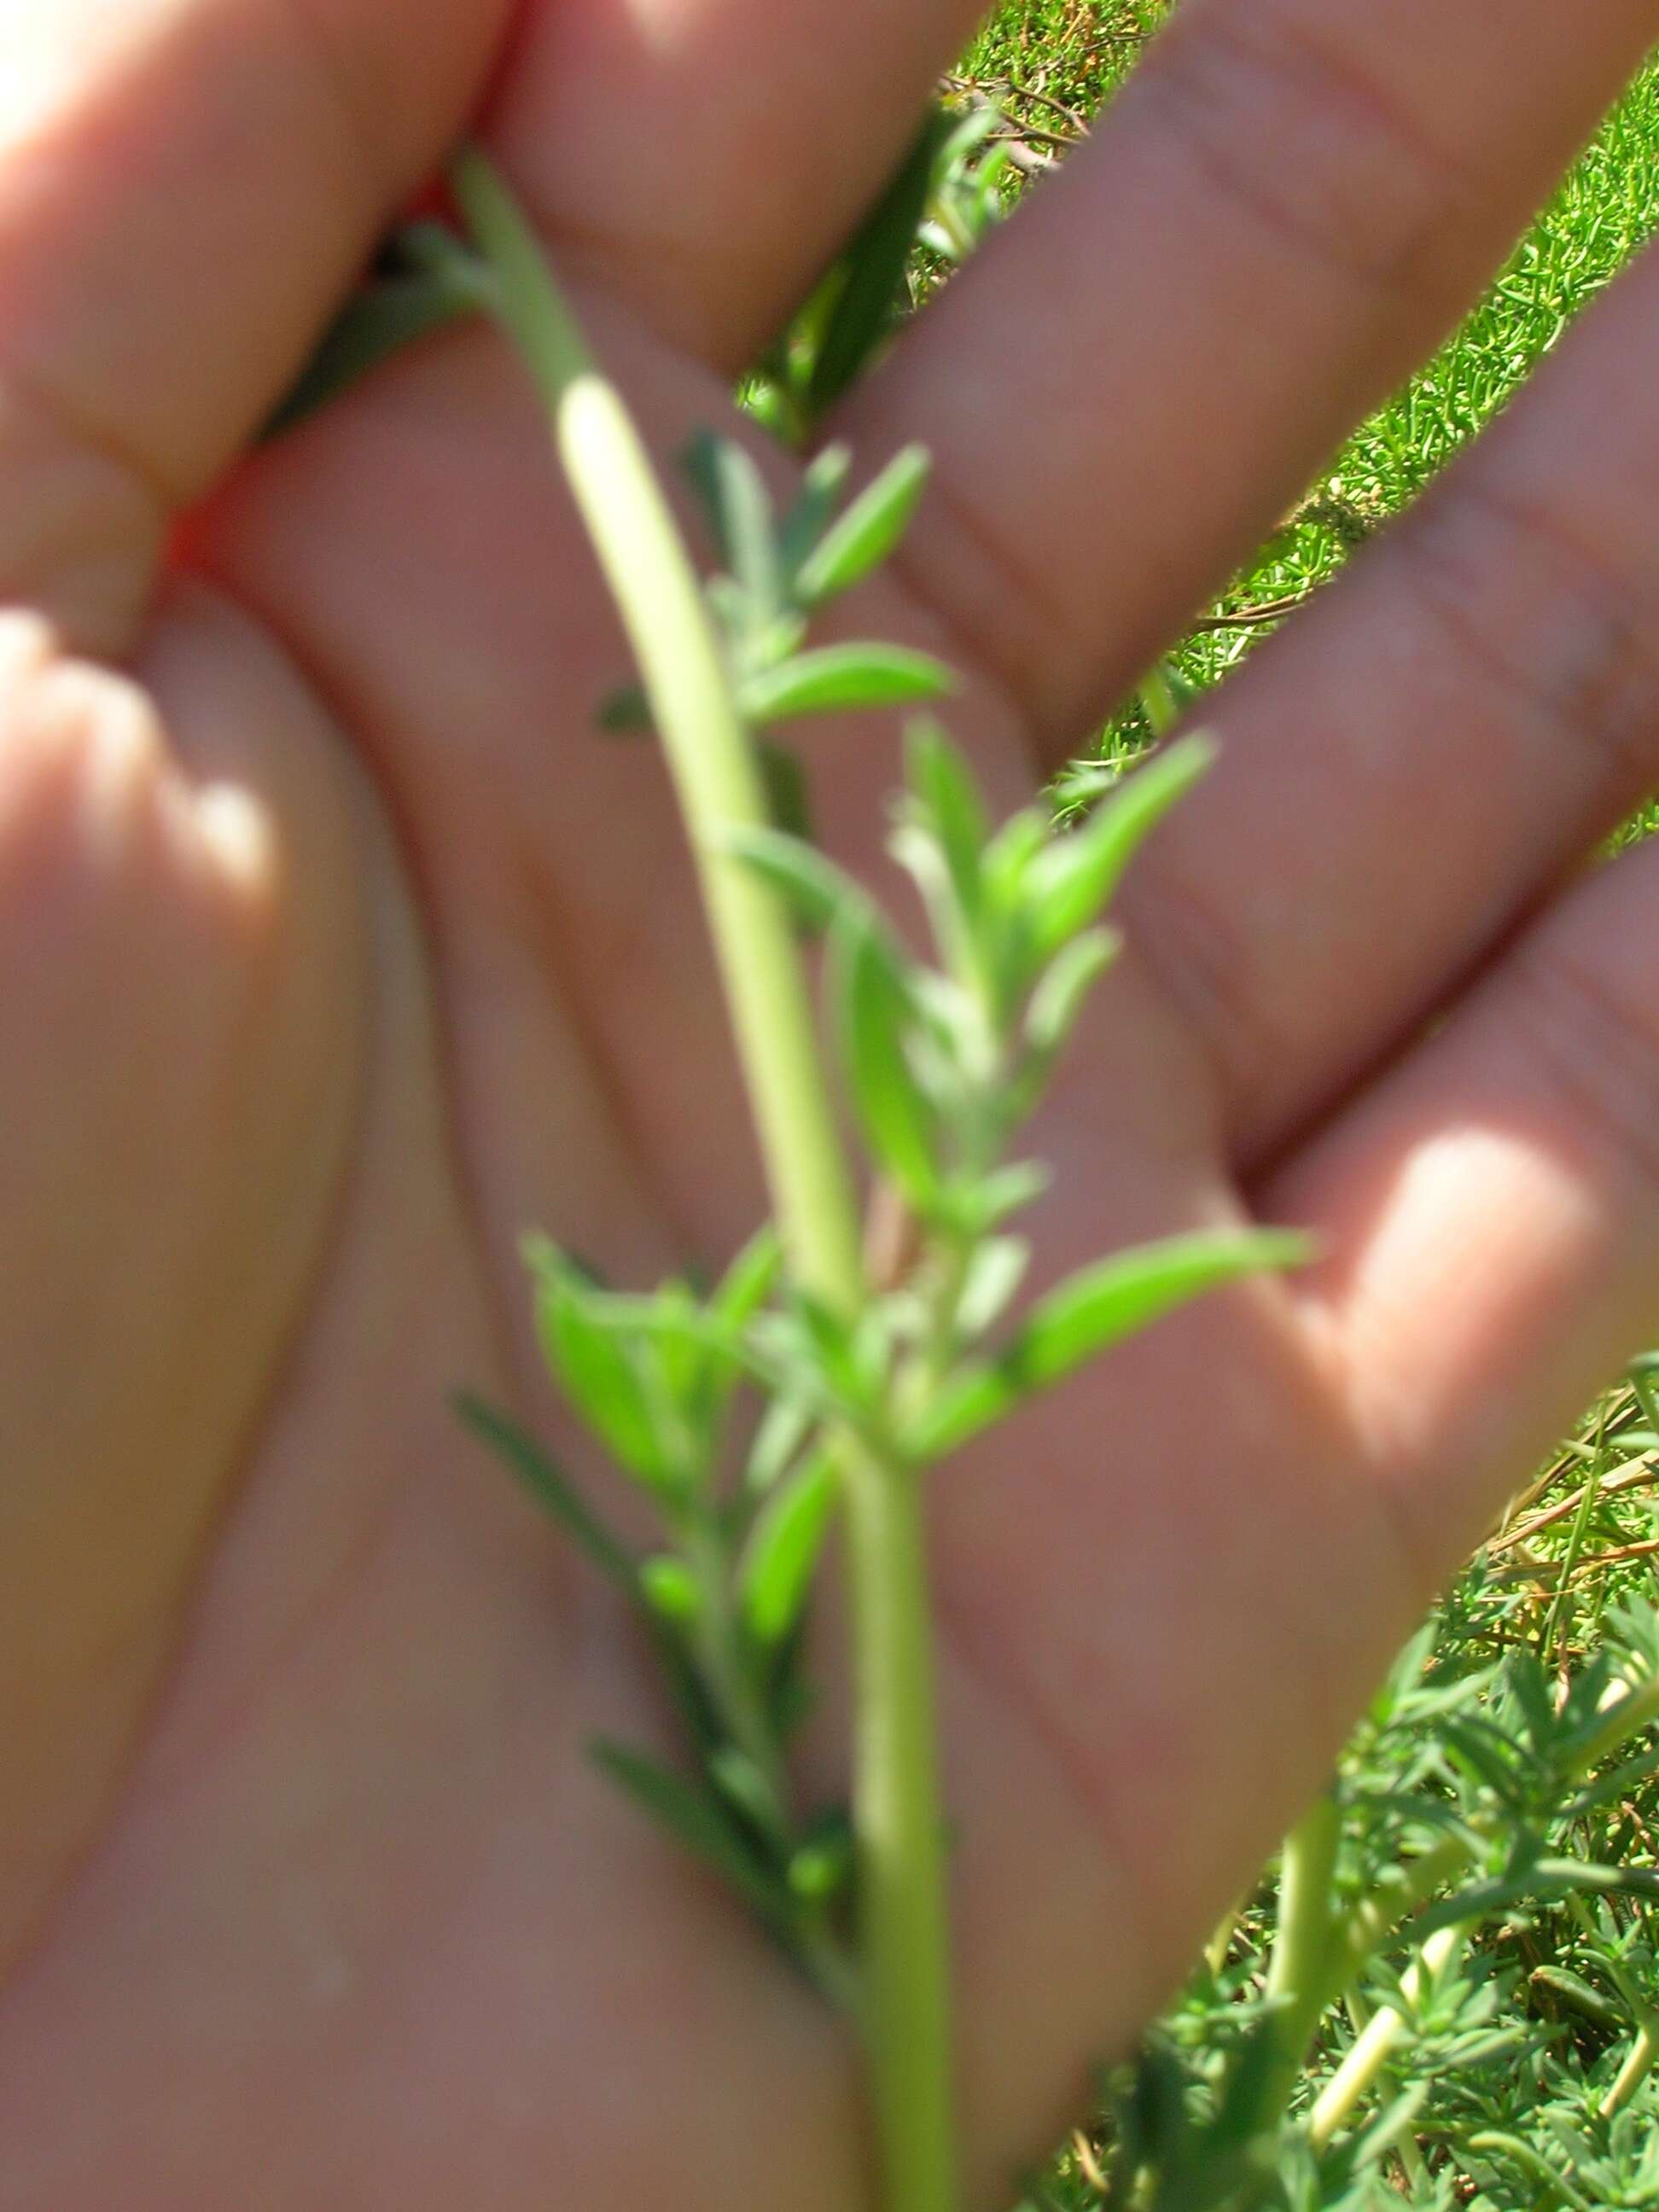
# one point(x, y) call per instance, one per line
point(1409, 769)
point(1493, 1212)
point(705, 160)
point(185, 188)
point(1289, 203)
point(181, 972)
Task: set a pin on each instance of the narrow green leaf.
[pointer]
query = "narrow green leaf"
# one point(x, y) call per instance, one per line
point(784, 1428)
point(945, 807)
point(1004, 1192)
point(817, 890)
point(650, 1320)
point(871, 1014)
point(788, 795)
point(671, 1590)
point(821, 489)
point(781, 1558)
point(700, 460)
point(1062, 993)
point(1621, 1783)
point(994, 1275)
point(824, 1867)
point(1091, 1312)
point(549, 1486)
point(746, 1791)
point(873, 272)
point(810, 1365)
point(870, 532)
point(1168, 698)
point(1009, 856)
point(750, 1280)
point(966, 136)
point(1071, 883)
point(826, 1348)
point(733, 491)
point(1578, 1993)
point(987, 186)
point(686, 1379)
point(387, 315)
point(596, 1364)
point(842, 678)
point(697, 1820)
point(625, 712)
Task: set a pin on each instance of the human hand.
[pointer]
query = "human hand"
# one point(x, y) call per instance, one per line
point(334, 949)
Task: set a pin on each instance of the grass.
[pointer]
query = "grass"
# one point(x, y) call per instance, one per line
point(1076, 53)
point(1542, 2028)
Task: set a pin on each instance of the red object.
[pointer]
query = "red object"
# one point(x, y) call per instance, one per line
point(433, 203)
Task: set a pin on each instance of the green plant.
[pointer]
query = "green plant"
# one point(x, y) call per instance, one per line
point(1362, 2032)
point(875, 1346)
point(1448, 1993)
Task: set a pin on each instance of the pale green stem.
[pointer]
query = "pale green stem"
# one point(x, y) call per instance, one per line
point(901, 1843)
point(1307, 1871)
point(1297, 1973)
point(659, 596)
point(1412, 2162)
point(1531, 2160)
point(1644, 2051)
point(1370, 1923)
point(1360, 2070)
point(896, 1810)
point(1636, 2067)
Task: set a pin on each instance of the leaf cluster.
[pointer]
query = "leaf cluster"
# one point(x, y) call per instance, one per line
point(732, 1413)
point(1520, 2067)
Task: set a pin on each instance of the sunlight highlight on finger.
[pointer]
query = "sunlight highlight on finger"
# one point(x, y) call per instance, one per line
point(1493, 1213)
point(1287, 207)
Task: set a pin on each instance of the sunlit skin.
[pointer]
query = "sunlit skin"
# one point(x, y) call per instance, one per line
point(336, 950)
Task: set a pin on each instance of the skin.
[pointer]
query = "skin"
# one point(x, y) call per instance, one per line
point(335, 949)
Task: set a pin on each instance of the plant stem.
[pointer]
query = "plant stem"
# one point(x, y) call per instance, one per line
point(1411, 1885)
point(1359, 2070)
point(660, 597)
point(1413, 2170)
point(1409, 1888)
point(1638, 2064)
point(896, 1810)
point(1298, 1977)
point(900, 1832)
point(1644, 2051)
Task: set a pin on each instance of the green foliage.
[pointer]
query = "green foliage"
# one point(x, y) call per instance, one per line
point(945, 195)
point(412, 293)
point(1467, 2011)
point(1497, 1818)
point(943, 1060)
